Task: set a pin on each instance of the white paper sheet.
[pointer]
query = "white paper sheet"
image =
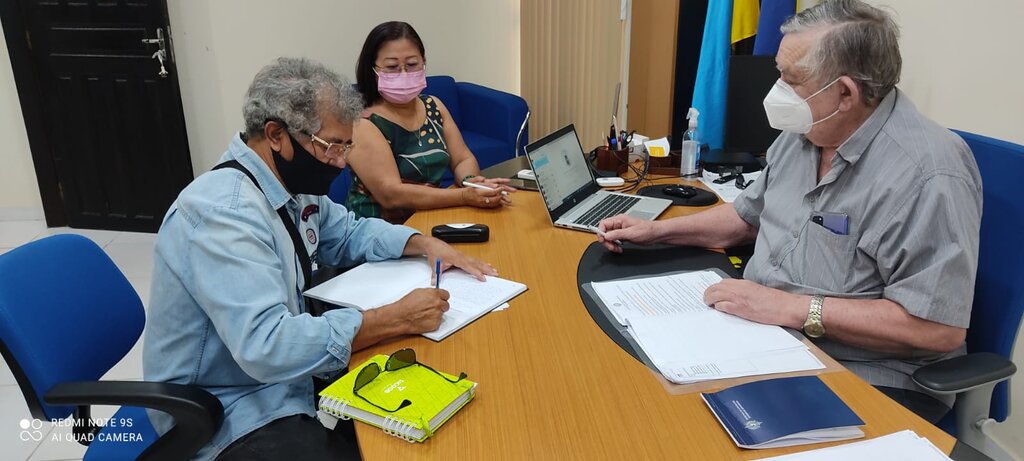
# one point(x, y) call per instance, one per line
point(688, 341)
point(701, 346)
point(470, 299)
point(376, 284)
point(654, 296)
point(903, 445)
point(728, 190)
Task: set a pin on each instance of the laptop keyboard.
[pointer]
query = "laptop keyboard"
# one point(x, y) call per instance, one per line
point(609, 206)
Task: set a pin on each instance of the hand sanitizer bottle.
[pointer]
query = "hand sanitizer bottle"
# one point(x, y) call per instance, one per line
point(690, 154)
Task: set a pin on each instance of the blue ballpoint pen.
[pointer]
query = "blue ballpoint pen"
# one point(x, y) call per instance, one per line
point(437, 273)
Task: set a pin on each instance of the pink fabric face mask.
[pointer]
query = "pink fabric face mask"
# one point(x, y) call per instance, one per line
point(402, 87)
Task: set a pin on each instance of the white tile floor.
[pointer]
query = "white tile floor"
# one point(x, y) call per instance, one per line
point(133, 254)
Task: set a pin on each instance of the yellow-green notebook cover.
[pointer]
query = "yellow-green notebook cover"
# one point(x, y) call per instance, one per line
point(434, 400)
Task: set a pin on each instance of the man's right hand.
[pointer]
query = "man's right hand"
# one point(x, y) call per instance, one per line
point(421, 310)
point(625, 229)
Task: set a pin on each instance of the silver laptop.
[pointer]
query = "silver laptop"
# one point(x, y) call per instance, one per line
point(572, 196)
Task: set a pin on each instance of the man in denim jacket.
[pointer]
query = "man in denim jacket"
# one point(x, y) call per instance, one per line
point(227, 312)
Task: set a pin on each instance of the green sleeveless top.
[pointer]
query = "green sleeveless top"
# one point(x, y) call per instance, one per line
point(422, 158)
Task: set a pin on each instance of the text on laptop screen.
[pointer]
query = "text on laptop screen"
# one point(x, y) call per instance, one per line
point(561, 169)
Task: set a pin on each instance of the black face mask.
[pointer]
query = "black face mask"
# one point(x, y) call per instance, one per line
point(304, 174)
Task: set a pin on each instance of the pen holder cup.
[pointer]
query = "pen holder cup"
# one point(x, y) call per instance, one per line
point(612, 160)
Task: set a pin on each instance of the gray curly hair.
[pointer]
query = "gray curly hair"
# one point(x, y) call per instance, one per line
point(296, 91)
point(860, 41)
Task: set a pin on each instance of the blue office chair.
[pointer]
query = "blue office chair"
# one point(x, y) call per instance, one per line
point(338, 192)
point(979, 378)
point(67, 315)
point(488, 119)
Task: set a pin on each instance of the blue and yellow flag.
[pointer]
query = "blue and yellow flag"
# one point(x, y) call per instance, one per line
point(712, 73)
point(744, 19)
point(773, 14)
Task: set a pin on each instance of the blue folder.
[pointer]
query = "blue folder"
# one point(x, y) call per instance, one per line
point(783, 412)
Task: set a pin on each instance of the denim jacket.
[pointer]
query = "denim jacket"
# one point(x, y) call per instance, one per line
point(226, 310)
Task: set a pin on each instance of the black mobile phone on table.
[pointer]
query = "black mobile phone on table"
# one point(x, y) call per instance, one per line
point(461, 233)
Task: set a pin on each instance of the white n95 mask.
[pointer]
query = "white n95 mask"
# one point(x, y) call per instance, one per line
point(787, 111)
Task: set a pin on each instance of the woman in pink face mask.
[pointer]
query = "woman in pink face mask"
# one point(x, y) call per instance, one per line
point(408, 140)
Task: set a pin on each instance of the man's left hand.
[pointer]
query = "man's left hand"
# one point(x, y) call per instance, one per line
point(435, 249)
point(757, 303)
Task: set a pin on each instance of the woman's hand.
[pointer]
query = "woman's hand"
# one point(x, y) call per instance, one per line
point(484, 198)
point(493, 183)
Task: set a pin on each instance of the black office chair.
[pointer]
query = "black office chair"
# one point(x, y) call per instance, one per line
point(979, 378)
point(67, 315)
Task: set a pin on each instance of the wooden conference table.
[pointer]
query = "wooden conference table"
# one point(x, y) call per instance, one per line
point(552, 385)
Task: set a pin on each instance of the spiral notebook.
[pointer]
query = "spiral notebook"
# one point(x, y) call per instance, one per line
point(434, 400)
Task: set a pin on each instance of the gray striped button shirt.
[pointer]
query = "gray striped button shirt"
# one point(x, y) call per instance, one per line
point(912, 192)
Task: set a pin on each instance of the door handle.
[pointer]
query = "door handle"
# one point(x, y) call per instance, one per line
point(161, 54)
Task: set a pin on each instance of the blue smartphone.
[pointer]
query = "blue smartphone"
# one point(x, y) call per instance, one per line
point(838, 223)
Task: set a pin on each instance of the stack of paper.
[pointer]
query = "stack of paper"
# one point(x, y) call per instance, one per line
point(688, 341)
point(899, 446)
point(727, 190)
point(376, 284)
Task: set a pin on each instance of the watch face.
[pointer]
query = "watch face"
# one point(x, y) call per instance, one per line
point(814, 330)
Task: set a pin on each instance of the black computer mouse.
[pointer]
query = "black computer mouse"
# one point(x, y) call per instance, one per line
point(679, 190)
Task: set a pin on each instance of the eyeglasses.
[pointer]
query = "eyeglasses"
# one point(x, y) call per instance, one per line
point(399, 68)
point(333, 150)
point(741, 183)
point(397, 361)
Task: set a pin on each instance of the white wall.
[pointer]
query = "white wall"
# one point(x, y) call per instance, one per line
point(18, 186)
point(961, 63)
point(219, 45)
point(962, 67)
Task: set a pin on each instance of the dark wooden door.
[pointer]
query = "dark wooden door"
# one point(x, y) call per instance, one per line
point(105, 122)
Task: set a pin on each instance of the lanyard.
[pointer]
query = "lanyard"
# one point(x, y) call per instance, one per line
point(300, 247)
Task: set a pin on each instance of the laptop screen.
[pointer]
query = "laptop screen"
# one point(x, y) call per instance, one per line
point(560, 167)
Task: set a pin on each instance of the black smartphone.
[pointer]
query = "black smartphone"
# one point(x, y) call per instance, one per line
point(461, 233)
point(523, 184)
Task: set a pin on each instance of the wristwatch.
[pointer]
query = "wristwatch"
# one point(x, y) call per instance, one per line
point(813, 326)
